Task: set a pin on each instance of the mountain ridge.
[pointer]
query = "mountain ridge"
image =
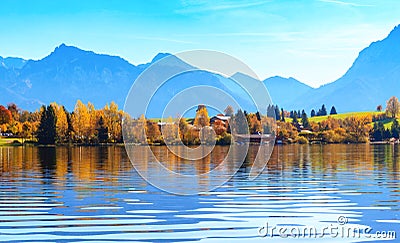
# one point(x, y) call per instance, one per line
point(69, 73)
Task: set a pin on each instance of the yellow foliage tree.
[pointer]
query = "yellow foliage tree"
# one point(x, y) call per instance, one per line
point(112, 120)
point(201, 119)
point(61, 122)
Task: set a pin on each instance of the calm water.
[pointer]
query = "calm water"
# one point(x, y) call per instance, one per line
point(94, 194)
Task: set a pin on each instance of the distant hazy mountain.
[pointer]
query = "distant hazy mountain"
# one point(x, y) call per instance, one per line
point(286, 91)
point(372, 79)
point(69, 73)
point(12, 62)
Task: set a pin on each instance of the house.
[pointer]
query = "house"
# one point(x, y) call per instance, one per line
point(220, 117)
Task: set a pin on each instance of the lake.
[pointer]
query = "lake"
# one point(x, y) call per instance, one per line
point(93, 194)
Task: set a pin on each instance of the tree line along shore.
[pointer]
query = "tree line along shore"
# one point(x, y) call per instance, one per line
point(53, 124)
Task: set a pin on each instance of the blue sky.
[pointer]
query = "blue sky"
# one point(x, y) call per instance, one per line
point(315, 41)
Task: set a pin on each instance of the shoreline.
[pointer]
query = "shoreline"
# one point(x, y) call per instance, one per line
point(158, 145)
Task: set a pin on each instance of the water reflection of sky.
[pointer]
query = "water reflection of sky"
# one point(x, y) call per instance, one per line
point(93, 194)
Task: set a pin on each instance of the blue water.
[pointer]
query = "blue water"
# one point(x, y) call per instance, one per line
point(93, 194)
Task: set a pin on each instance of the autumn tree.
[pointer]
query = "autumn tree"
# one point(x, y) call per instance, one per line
point(392, 107)
point(90, 132)
point(201, 119)
point(183, 128)
point(112, 120)
point(286, 131)
point(254, 124)
point(27, 130)
point(62, 123)
point(170, 131)
point(84, 121)
point(358, 127)
point(80, 119)
point(153, 132)
point(15, 111)
point(5, 115)
point(140, 130)
point(268, 125)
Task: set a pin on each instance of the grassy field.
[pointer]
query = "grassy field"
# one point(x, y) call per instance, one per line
point(344, 115)
point(8, 141)
point(387, 122)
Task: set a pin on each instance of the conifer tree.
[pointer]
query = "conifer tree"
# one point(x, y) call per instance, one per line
point(47, 128)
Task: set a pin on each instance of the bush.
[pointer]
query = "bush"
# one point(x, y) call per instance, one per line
point(224, 139)
point(302, 140)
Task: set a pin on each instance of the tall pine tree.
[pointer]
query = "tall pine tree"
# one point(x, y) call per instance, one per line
point(333, 111)
point(277, 113)
point(304, 120)
point(47, 128)
point(395, 129)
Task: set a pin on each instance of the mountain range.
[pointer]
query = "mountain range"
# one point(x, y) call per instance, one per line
point(69, 73)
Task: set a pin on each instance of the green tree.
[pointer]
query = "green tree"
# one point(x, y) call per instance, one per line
point(378, 132)
point(295, 121)
point(102, 131)
point(47, 128)
point(395, 129)
point(240, 123)
point(228, 111)
point(322, 111)
point(333, 111)
point(270, 111)
point(312, 113)
point(304, 120)
point(277, 113)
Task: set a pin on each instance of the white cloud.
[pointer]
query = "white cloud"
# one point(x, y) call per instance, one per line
point(343, 3)
point(195, 6)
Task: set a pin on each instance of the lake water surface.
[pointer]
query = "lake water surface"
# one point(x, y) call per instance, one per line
point(93, 194)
